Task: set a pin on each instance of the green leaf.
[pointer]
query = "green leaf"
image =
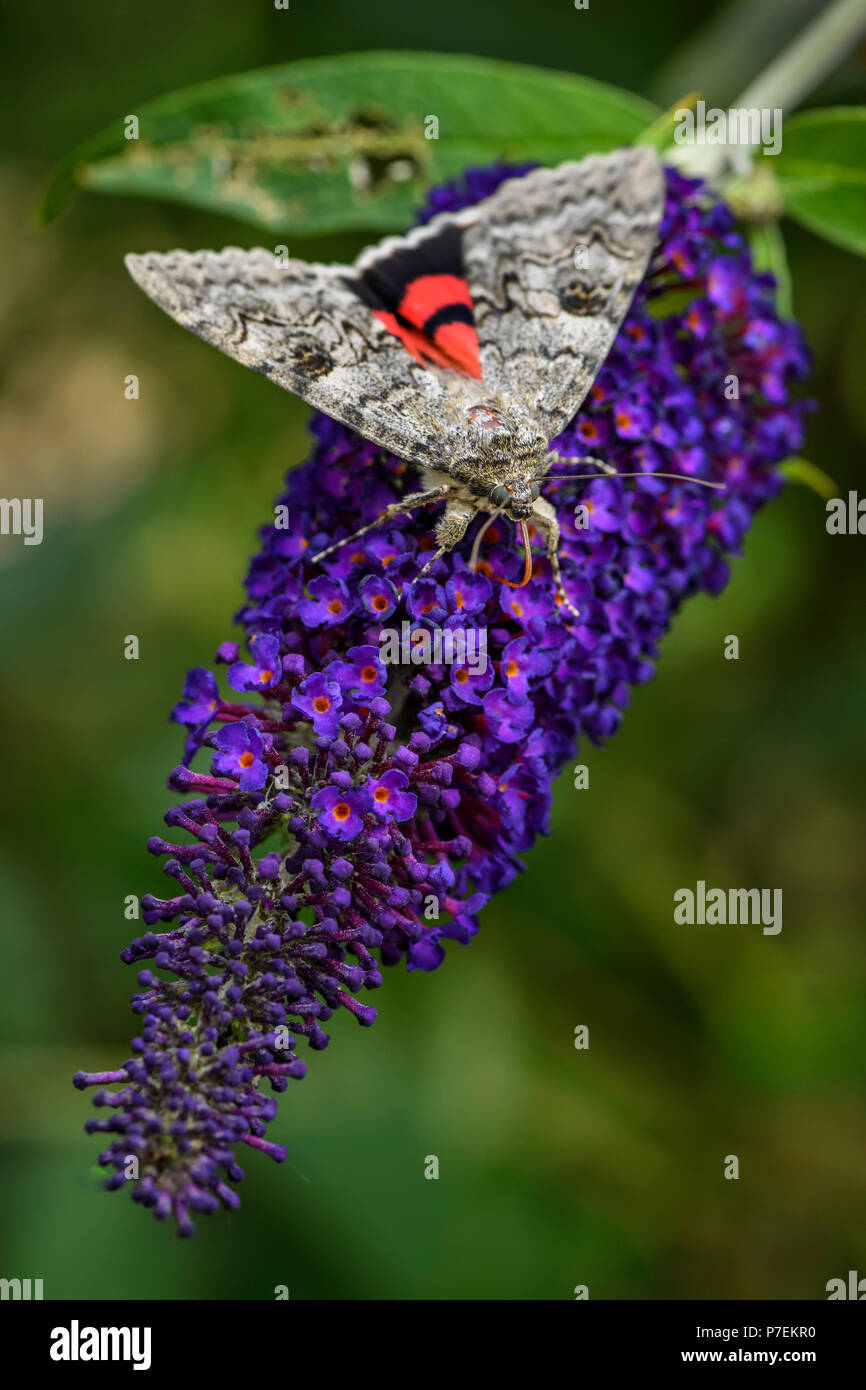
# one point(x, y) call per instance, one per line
point(802, 471)
point(659, 136)
point(822, 173)
point(329, 144)
point(768, 253)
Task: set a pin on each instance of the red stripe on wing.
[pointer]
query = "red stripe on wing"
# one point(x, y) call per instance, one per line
point(459, 342)
point(423, 349)
point(429, 294)
point(453, 346)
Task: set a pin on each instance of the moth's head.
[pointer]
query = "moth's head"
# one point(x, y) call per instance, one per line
point(515, 497)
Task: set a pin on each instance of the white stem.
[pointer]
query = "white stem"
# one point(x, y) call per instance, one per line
point(808, 60)
point(781, 86)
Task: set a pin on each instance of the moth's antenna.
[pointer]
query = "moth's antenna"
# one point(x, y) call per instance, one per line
point(554, 457)
point(681, 477)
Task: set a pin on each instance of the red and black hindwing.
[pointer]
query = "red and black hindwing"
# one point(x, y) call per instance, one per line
point(419, 293)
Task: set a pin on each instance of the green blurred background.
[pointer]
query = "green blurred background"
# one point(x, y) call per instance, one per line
point(558, 1167)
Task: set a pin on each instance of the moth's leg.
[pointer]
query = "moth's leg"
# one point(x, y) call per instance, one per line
point(451, 528)
point(554, 457)
point(406, 504)
point(544, 513)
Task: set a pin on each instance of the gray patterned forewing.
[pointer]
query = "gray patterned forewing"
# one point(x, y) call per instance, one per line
point(553, 260)
point(301, 326)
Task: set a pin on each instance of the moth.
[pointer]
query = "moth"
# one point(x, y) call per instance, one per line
point(464, 347)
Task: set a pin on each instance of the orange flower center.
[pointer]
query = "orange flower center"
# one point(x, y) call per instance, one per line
point(381, 795)
point(379, 604)
point(321, 704)
point(342, 811)
point(368, 674)
point(511, 669)
point(461, 676)
point(246, 760)
point(335, 606)
point(266, 676)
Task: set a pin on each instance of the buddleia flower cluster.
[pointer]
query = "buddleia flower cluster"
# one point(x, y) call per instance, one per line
point(340, 813)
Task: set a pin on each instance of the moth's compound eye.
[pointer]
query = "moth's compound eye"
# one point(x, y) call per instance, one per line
point(533, 491)
point(499, 496)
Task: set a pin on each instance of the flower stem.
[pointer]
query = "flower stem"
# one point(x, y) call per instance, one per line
point(781, 86)
point(806, 62)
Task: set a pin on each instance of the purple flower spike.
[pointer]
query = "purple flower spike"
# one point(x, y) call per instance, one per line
point(346, 795)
